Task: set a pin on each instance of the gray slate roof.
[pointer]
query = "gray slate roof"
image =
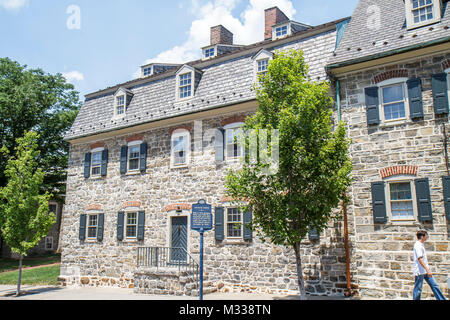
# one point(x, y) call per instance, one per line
point(362, 40)
point(225, 80)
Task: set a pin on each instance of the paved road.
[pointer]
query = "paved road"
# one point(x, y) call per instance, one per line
point(58, 293)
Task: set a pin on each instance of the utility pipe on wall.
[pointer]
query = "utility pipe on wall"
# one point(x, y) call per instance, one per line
point(344, 209)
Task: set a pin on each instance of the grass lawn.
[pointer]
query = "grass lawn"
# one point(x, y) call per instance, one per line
point(40, 276)
point(11, 264)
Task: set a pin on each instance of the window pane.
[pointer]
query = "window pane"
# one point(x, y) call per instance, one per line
point(131, 225)
point(97, 159)
point(402, 210)
point(401, 191)
point(393, 93)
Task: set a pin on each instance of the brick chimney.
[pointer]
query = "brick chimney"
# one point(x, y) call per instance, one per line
point(273, 16)
point(221, 35)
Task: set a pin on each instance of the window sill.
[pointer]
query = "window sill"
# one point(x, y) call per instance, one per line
point(133, 173)
point(184, 100)
point(184, 166)
point(235, 242)
point(403, 222)
point(94, 178)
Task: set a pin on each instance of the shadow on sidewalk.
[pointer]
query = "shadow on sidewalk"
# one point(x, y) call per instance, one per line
point(29, 292)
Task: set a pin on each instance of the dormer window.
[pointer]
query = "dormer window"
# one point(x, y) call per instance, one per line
point(120, 105)
point(185, 86)
point(422, 12)
point(187, 80)
point(122, 99)
point(261, 61)
point(281, 31)
point(147, 71)
point(262, 66)
point(209, 53)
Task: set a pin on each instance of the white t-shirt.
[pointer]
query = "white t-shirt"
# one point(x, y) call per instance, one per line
point(419, 252)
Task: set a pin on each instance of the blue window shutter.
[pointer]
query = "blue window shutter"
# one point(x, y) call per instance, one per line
point(141, 225)
point(248, 233)
point(123, 159)
point(82, 231)
point(440, 93)
point(219, 224)
point(220, 145)
point(446, 183)
point(415, 98)
point(120, 225)
point(143, 157)
point(104, 169)
point(379, 202)
point(87, 165)
point(313, 234)
point(101, 223)
point(372, 105)
point(424, 200)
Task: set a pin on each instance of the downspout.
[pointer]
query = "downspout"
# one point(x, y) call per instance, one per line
point(344, 208)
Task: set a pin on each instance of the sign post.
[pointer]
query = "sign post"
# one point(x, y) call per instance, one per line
point(201, 221)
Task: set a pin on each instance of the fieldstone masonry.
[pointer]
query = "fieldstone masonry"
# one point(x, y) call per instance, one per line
point(383, 252)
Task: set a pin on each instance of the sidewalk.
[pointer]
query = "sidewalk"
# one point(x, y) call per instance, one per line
point(101, 294)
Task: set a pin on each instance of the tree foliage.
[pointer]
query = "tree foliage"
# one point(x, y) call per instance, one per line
point(45, 103)
point(25, 217)
point(314, 163)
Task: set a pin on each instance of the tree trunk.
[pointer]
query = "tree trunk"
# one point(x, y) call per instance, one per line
point(20, 276)
point(301, 282)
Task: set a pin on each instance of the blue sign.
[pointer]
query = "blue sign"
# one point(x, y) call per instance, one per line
point(201, 218)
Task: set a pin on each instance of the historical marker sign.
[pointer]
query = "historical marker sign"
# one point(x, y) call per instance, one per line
point(201, 218)
point(201, 221)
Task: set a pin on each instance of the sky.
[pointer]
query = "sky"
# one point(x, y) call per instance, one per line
point(102, 43)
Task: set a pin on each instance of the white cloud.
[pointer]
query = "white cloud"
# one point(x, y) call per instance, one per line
point(73, 76)
point(13, 5)
point(247, 29)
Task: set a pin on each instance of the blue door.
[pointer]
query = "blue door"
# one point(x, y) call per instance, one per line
point(179, 239)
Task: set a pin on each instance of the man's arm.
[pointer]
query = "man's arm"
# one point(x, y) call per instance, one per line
point(425, 267)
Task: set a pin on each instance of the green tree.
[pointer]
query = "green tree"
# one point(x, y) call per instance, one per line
point(33, 100)
point(314, 165)
point(25, 217)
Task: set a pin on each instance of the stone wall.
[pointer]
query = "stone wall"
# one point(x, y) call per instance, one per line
point(245, 266)
point(384, 251)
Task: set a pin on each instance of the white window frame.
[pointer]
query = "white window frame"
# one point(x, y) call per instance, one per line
point(437, 12)
point(90, 214)
point(179, 99)
point(116, 106)
point(447, 71)
point(262, 55)
point(401, 179)
point(388, 83)
point(226, 223)
point(96, 151)
point(144, 69)
point(127, 212)
point(46, 242)
point(275, 28)
point(187, 136)
point(207, 49)
point(131, 145)
point(228, 127)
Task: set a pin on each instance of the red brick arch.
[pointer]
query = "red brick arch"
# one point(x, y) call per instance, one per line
point(399, 73)
point(94, 207)
point(398, 170)
point(178, 207)
point(188, 128)
point(132, 204)
point(97, 145)
point(233, 119)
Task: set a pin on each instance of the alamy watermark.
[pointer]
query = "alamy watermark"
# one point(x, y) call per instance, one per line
point(74, 19)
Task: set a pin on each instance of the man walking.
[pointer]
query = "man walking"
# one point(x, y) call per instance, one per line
point(421, 269)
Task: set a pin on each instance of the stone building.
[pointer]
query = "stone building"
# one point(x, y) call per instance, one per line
point(144, 151)
point(391, 68)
